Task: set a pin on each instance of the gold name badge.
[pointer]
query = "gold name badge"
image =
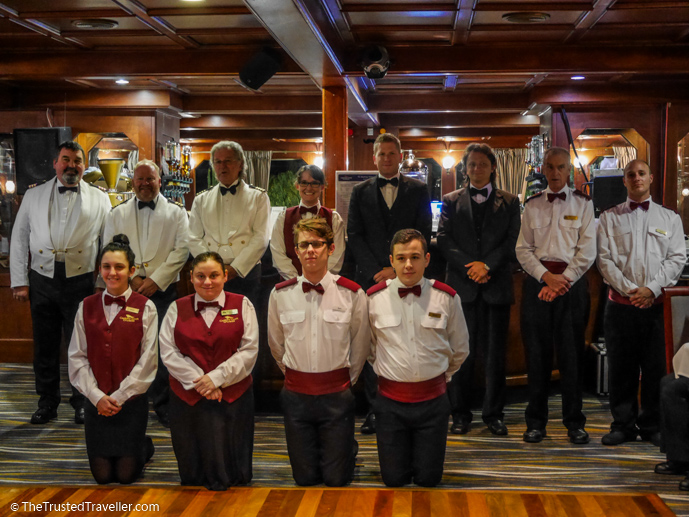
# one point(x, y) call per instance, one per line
point(229, 312)
point(132, 309)
point(661, 232)
point(571, 218)
point(228, 319)
point(435, 315)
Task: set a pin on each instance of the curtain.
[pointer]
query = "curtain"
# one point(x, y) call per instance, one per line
point(624, 154)
point(512, 170)
point(258, 167)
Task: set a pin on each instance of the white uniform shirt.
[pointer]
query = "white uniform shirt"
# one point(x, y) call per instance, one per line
point(389, 191)
point(62, 216)
point(277, 245)
point(236, 226)
point(417, 338)
point(561, 231)
point(637, 248)
point(144, 371)
point(315, 333)
point(234, 369)
point(680, 363)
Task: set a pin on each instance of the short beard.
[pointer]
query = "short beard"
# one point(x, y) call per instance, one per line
point(70, 178)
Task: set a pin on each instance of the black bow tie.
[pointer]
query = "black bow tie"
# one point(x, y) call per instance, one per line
point(382, 182)
point(404, 291)
point(306, 287)
point(118, 300)
point(559, 195)
point(149, 204)
point(62, 190)
point(643, 205)
point(477, 191)
point(202, 305)
point(232, 190)
point(312, 209)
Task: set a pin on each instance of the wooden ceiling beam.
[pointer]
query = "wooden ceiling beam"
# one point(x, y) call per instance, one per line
point(534, 6)
point(473, 132)
point(156, 23)
point(411, 7)
point(440, 102)
point(39, 27)
point(264, 122)
point(199, 11)
point(249, 134)
point(266, 104)
point(101, 99)
point(77, 14)
point(142, 63)
point(457, 120)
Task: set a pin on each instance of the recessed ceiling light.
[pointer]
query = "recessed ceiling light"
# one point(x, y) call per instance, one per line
point(578, 77)
point(526, 17)
point(98, 24)
point(122, 81)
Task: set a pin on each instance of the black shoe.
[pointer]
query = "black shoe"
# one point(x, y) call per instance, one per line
point(534, 435)
point(150, 449)
point(460, 427)
point(79, 415)
point(617, 437)
point(671, 468)
point(654, 438)
point(163, 418)
point(684, 484)
point(369, 425)
point(578, 436)
point(43, 415)
point(497, 427)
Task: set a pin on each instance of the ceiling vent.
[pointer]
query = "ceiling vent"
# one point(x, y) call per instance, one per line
point(525, 17)
point(97, 24)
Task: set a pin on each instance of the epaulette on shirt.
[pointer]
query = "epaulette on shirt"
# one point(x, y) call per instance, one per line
point(102, 189)
point(123, 203)
point(347, 283)
point(286, 283)
point(37, 184)
point(581, 194)
point(444, 288)
point(257, 188)
point(534, 196)
point(378, 287)
point(201, 192)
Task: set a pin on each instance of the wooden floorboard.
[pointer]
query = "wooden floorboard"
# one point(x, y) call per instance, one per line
point(318, 502)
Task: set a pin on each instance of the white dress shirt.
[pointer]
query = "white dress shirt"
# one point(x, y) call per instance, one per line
point(144, 371)
point(562, 231)
point(277, 245)
point(480, 198)
point(315, 333)
point(389, 191)
point(680, 363)
point(417, 338)
point(638, 248)
point(236, 368)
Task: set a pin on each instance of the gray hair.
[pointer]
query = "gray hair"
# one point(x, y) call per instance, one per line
point(238, 153)
point(148, 163)
point(557, 150)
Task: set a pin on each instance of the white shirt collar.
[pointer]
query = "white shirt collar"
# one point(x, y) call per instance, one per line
point(220, 299)
point(326, 281)
point(126, 294)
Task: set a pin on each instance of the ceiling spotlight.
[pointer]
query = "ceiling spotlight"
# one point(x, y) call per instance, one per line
point(122, 81)
point(375, 62)
point(578, 78)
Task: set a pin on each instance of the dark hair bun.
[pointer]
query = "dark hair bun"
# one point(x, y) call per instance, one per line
point(121, 238)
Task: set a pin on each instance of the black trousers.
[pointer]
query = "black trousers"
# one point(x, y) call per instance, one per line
point(558, 326)
point(411, 440)
point(159, 391)
point(635, 342)
point(213, 441)
point(54, 304)
point(249, 286)
point(488, 325)
point(674, 417)
point(320, 437)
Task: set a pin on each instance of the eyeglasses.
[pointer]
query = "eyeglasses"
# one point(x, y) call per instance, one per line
point(304, 245)
point(312, 184)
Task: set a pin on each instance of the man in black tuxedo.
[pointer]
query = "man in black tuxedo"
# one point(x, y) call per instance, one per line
point(478, 230)
point(378, 208)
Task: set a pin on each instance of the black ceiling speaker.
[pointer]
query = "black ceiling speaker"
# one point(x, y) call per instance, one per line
point(261, 67)
point(375, 61)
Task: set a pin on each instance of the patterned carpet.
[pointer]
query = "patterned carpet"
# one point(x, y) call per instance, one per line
point(55, 453)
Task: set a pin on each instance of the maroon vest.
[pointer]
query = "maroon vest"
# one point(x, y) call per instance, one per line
point(114, 349)
point(292, 217)
point(209, 347)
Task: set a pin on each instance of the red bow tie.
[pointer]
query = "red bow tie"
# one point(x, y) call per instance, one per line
point(308, 287)
point(119, 300)
point(404, 291)
point(202, 305)
point(312, 209)
point(559, 195)
point(644, 205)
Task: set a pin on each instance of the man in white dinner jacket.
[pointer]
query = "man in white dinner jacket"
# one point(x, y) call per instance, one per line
point(59, 224)
point(232, 219)
point(158, 231)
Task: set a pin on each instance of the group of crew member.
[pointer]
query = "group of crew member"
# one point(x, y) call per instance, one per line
point(415, 342)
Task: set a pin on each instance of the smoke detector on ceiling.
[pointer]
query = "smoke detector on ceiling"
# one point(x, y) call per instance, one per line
point(98, 24)
point(525, 17)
